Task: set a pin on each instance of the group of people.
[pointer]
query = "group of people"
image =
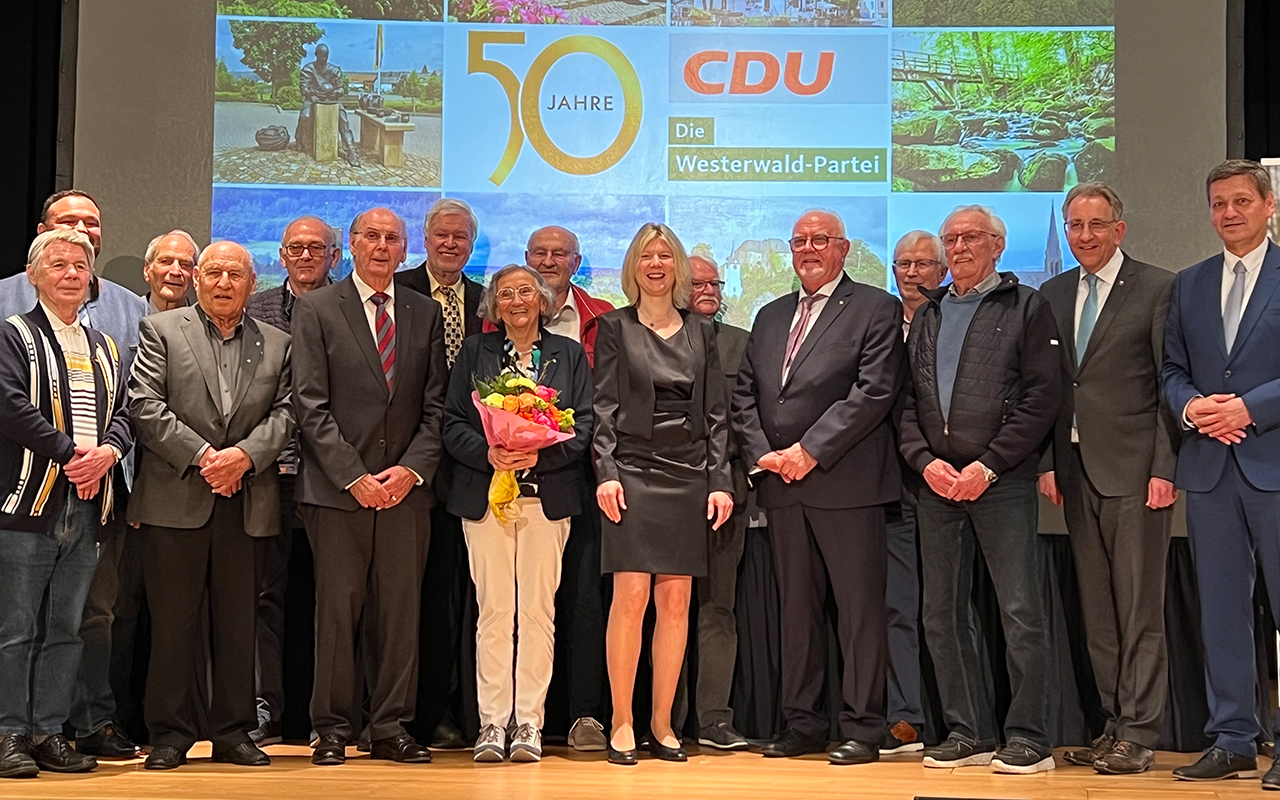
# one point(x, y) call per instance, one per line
point(182, 446)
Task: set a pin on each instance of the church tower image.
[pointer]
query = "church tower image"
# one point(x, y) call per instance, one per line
point(1052, 248)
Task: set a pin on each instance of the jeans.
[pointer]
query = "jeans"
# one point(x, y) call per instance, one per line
point(37, 671)
point(1003, 522)
point(94, 703)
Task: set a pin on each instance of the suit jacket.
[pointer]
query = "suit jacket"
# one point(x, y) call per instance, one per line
point(418, 280)
point(836, 402)
point(1196, 362)
point(1127, 435)
point(731, 343)
point(175, 405)
point(560, 469)
point(351, 423)
point(624, 396)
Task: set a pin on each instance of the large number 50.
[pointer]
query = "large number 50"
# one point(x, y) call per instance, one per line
point(524, 101)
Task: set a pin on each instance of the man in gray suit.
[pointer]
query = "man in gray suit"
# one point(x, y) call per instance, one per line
point(1111, 467)
point(210, 400)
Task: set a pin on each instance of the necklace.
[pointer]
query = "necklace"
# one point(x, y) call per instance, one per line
point(655, 324)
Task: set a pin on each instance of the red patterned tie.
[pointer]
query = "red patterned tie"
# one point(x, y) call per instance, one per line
point(386, 335)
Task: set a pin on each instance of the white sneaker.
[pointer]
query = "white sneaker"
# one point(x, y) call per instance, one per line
point(587, 735)
point(491, 746)
point(526, 744)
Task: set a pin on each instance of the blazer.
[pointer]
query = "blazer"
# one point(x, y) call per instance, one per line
point(731, 343)
point(1196, 362)
point(1127, 435)
point(175, 405)
point(351, 423)
point(589, 311)
point(418, 280)
point(560, 470)
point(836, 401)
point(624, 396)
point(34, 444)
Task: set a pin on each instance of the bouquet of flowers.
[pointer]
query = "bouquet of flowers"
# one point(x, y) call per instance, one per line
point(520, 415)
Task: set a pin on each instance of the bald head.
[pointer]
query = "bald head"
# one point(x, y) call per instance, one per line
point(224, 280)
point(818, 248)
point(553, 252)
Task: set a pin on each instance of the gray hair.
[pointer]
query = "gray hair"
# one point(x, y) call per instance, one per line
point(997, 224)
point(708, 260)
point(489, 300)
point(914, 239)
point(828, 212)
point(325, 228)
point(359, 218)
point(1238, 166)
point(154, 244)
point(1094, 189)
point(245, 256)
point(42, 241)
point(451, 205)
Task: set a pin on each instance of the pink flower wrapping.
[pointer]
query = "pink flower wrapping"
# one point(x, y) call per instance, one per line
point(504, 429)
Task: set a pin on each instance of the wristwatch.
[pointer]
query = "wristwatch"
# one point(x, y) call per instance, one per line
point(988, 473)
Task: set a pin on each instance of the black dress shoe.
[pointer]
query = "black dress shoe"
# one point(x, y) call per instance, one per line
point(109, 743)
point(1085, 757)
point(330, 751)
point(1272, 779)
point(1126, 758)
point(625, 758)
point(1217, 764)
point(659, 750)
point(402, 749)
point(245, 754)
point(55, 754)
point(15, 758)
point(854, 752)
point(448, 736)
point(165, 757)
point(792, 743)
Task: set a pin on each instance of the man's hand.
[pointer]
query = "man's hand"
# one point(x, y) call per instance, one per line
point(1160, 493)
point(796, 462)
point(370, 493)
point(224, 469)
point(771, 461)
point(503, 459)
point(87, 467)
point(1220, 416)
point(971, 483)
point(396, 481)
point(719, 507)
point(941, 477)
point(612, 502)
point(1049, 488)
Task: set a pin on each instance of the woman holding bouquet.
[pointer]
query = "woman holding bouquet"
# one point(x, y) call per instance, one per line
point(661, 448)
point(516, 564)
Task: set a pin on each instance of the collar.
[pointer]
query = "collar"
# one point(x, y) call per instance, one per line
point(366, 291)
point(570, 304)
point(436, 285)
point(1252, 259)
point(56, 322)
point(985, 285)
point(212, 327)
point(1110, 270)
point(825, 290)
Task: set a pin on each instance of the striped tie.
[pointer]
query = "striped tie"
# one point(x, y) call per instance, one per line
point(386, 335)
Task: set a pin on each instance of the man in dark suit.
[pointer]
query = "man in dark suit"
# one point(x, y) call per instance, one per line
point(210, 399)
point(811, 412)
point(1222, 380)
point(448, 598)
point(1111, 467)
point(370, 391)
point(308, 250)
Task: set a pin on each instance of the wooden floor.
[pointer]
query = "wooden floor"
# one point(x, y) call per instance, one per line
point(565, 774)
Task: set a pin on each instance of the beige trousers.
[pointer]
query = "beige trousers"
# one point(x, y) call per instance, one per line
point(516, 569)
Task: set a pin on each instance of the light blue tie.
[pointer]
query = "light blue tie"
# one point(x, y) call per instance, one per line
point(1088, 317)
point(1235, 304)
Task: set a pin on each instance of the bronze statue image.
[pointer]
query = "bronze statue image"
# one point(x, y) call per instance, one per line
point(323, 82)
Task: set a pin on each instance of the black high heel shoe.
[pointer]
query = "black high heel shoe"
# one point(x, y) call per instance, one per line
point(625, 758)
point(659, 750)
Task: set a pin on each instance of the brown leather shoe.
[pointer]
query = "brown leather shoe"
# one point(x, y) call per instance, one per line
point(1126, 758)
point(1085, 758)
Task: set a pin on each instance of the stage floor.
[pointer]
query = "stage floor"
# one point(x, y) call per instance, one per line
point(563, 773)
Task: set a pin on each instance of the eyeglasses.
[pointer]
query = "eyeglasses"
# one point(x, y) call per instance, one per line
point(525, 293)
point(818, 242)
point(316, 249)
point(906, 264)
point(1096, 226)
point(970, 238)
point(373, 237)
point(700, 285)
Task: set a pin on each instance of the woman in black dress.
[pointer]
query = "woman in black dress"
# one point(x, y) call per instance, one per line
point(661, 446)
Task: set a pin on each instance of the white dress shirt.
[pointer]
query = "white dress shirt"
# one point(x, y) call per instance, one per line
point(459, 304)
point(370, 308)
point(1252, 268)
point(567, 321)
point(1106, 280)
point(819, 302)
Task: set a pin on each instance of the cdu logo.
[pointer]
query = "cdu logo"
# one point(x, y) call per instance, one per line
point(527, 105)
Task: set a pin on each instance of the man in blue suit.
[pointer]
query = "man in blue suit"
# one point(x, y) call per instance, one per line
point(1222, 377)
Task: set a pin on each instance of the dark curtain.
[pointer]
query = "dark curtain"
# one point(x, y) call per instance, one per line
point(30, 62)
point(1261, 79)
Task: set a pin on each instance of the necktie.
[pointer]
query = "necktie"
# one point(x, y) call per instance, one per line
point(386, 335)
point(1088, 317)
point(1235, 305)
point(452, 324)
point(796, 338)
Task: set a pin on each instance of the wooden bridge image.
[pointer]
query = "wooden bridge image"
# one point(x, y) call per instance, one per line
point(942, 75)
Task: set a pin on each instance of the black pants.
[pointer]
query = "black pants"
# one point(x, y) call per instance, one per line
point(367, 561)
point(580, 614)
point(179, 564)
point(844, 550)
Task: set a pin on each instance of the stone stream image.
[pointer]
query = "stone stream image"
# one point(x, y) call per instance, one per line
point(1002, 111)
